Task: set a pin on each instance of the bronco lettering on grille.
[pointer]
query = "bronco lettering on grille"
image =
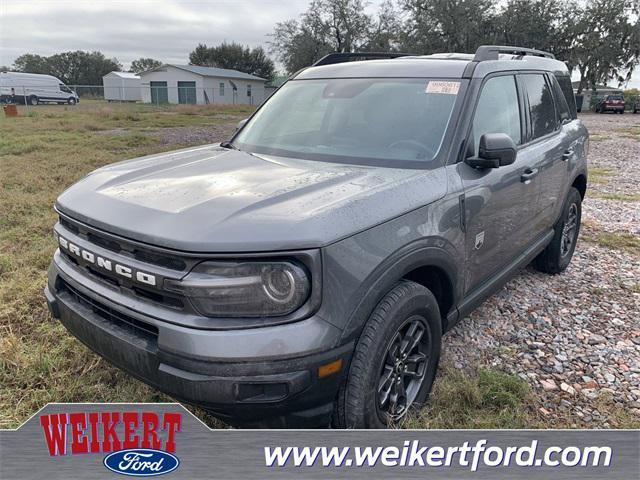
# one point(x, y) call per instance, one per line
point(106, 264)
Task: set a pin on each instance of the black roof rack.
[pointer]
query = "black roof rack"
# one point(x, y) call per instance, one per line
point(492, 52)
point(338, 57)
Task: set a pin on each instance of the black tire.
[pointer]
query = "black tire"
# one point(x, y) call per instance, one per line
point(395, 324)
point(71, 101)
point(556, 257)
point(33, 100)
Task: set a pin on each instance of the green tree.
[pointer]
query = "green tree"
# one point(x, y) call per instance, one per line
point(29, 63)
point(606, 42)
point(81, 68)
point(335, 26)
point(72, 68)
point(236, 57)
point(448, 25)
point(143, 64)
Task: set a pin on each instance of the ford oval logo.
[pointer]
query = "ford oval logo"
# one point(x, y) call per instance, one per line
point(141, 462)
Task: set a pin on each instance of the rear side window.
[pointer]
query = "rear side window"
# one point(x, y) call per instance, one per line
point(561, 102)
point(565, 85)
point(541, 109)
point(498, 111)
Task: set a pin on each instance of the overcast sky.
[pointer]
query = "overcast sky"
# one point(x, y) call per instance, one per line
point(163, 29)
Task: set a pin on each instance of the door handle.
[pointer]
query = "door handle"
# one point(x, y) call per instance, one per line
point(528, 175)
point(567, 154)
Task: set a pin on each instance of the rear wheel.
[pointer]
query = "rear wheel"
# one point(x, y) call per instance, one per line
point(557, 256)
point(395, 360)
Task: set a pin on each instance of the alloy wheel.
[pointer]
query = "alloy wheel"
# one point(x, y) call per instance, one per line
point(403, 371)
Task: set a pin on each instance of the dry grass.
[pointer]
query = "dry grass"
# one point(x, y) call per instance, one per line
point(620, 197)
point(40, 155)
point(481, 399)
point(600, 175)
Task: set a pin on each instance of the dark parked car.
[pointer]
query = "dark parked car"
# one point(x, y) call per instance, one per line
point(304, 271)
point(611, 103)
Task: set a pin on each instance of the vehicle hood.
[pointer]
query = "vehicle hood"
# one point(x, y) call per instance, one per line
point(212, 199)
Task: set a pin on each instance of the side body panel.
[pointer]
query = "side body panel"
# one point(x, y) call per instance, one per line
point(359, 270)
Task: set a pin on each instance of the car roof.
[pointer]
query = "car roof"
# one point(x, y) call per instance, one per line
point(441, 65)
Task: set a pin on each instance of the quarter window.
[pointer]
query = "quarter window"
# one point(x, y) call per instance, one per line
point(541, 109)
point(565, 84)
point(248, 90)
point(498, 111)
point(222, 89)
point(561, 102)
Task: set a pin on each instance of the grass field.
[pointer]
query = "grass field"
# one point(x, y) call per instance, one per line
point(47, 149)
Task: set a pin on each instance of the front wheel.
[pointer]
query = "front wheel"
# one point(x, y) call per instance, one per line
point(556, 257)
point(395, 360)
point(33, 100)
point(71, 101)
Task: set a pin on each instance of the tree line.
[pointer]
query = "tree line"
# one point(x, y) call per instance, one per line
point(599, 39)
point(88, 68)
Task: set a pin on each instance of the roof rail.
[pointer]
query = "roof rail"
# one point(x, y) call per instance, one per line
point(338, 57)
point(492, 52)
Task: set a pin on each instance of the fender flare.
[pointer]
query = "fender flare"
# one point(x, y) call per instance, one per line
point(431, 252)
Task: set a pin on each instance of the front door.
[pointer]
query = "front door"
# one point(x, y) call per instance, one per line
point(159, 92)
point(187, 92)
point(498, 201)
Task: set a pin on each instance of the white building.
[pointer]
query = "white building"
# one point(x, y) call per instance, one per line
point(201, 85)
point(121, 87)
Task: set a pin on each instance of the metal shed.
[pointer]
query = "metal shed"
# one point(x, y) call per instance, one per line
point(121, 87)
point(192, 84)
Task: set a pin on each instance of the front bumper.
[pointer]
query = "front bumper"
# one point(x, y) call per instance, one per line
point(262, 383)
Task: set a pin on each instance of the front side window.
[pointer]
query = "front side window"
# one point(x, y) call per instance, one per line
point(64, 88)
point(371, 121)
point(541, 109)
point(498, 111)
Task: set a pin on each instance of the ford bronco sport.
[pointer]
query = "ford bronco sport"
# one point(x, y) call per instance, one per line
point(304, 271)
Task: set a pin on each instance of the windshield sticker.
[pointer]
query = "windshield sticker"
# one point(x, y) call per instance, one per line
point(449, 88)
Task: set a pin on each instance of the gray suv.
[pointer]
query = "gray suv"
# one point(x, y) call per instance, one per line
point(303, 272)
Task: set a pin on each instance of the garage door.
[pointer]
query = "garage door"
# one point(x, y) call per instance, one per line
point(186, 92)
point(159, 92)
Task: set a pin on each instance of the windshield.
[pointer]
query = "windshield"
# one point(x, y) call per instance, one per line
point(386, 121)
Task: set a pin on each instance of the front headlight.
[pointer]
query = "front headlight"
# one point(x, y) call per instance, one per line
point(244, 289)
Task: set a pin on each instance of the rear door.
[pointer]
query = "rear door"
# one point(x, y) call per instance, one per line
point(498, 203)
point(546, 148)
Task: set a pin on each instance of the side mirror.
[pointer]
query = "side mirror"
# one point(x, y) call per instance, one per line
point(496, 150)
point(241, 124)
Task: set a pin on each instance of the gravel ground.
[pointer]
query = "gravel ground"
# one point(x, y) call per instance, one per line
point(576, 336)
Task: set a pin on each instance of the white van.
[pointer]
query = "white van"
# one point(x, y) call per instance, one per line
point(34, 88)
